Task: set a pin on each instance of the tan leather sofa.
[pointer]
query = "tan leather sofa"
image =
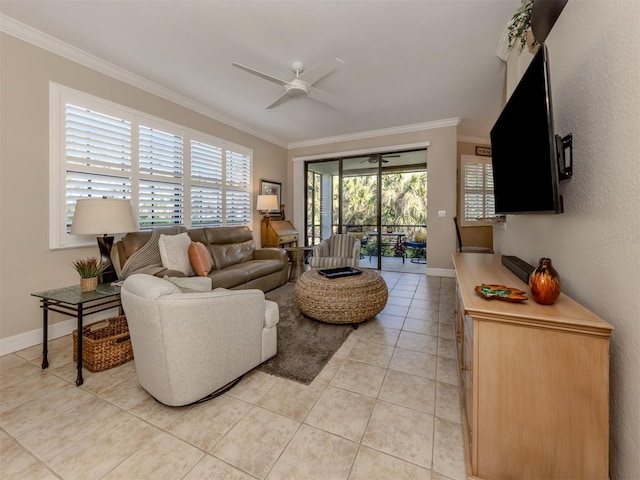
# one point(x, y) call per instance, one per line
point(237, 263)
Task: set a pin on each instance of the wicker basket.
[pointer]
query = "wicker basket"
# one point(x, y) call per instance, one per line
point(106, 347)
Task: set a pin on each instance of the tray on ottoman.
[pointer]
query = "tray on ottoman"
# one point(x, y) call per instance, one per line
point(339, 272)
point(105, 344)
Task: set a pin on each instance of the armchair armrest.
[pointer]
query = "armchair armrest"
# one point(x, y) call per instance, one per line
point(355, 253)
point(321, 249)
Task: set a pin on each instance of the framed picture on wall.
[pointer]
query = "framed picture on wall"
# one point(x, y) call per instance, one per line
point(483, 151)
point(267, 187)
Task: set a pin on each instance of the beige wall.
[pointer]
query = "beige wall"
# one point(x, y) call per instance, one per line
point(26, 263)
point(595, 245)
point(441, 180)
point(477, 236)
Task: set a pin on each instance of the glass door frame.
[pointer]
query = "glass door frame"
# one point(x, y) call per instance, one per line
point(339, 227)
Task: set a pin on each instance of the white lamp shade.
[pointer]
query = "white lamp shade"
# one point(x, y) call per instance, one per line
point(95, 216)
point(267, 202)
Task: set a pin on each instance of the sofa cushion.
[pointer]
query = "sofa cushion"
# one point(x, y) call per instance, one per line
point(230, 277)
point(262, 268)
point(225, 255)
point(174, 252)
point(200, 259)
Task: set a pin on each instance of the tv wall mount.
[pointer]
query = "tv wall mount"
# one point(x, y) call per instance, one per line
point(564, 152)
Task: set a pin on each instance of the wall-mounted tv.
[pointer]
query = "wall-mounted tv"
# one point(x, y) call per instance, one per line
point(523, 146)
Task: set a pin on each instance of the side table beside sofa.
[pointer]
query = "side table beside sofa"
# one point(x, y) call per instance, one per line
point(73, 302)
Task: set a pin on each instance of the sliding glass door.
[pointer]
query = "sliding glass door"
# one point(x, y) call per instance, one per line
point(379, 198)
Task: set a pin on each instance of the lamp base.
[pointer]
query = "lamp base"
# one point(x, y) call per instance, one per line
point(105, 244)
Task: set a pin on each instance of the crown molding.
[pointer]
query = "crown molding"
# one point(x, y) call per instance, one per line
point(468, 139)
point(416, 127)
point(40, 39)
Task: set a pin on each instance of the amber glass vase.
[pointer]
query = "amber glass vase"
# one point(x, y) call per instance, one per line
point(545, 283)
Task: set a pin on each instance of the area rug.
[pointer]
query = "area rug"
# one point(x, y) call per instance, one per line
point(304, 345)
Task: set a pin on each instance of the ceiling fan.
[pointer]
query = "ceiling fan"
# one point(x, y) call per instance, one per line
point(374, 158)
point(302, 85)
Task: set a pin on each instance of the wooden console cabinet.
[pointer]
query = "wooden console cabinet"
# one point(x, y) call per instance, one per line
point(534, 381)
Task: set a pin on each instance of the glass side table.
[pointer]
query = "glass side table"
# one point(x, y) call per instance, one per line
point(75, 303)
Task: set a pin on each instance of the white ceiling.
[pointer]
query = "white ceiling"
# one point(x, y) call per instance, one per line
point(405, 61)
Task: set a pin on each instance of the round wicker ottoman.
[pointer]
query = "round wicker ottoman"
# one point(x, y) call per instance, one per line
point(341, 300)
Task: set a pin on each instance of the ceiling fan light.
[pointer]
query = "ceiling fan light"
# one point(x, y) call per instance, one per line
point(296, 89)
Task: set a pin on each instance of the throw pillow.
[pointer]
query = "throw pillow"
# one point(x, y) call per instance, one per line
point(174, 252)
point(200, 259)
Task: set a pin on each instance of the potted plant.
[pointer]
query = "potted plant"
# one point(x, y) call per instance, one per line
point(89, 270)
point(519, 26)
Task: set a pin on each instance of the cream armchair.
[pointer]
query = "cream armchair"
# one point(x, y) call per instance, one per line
point(188, 346)
point(339, 250)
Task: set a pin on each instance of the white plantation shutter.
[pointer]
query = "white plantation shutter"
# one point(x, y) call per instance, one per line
point(160, 165)
point(238, 183)
point(238, 170)
point(86, 185)
point(160, 204)
point(206, 206)
point(206, 184)
point(477, 203)
point(238, 207)
point(171, 174)
point(97, 157)
point(96, 139)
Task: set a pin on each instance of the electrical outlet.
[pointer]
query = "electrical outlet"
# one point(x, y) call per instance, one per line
point(442, 213)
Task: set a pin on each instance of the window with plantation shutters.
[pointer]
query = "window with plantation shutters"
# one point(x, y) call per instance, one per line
point(171, 174)
point(477, 203)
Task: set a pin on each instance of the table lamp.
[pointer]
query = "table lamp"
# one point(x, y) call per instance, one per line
point(267, 203)
point(95, 216)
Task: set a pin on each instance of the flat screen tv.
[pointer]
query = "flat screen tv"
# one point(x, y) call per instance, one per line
point(523, 148)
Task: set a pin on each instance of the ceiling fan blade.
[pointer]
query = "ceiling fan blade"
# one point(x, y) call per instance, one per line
point(283, 98)
point(323, 97)
point(259, 74)
point(374, 158)
point(316, 73)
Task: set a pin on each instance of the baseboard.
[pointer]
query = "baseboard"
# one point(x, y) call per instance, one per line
point(56, 330)
point(441, 272)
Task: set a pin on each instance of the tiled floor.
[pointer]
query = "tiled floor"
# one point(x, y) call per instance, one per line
point(386, 406)
point(394, 264)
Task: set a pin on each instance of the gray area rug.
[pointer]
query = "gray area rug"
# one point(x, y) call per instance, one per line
point(304, 345)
